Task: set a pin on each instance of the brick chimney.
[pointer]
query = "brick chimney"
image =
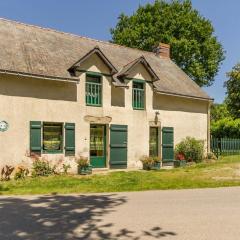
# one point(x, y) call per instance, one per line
point(162, 50)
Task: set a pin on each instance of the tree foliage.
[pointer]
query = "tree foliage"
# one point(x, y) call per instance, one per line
point(193, 45)
point(219, 111)
point(226, 127)
point(233, 91)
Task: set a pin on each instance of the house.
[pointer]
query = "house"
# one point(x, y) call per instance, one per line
point(63, 95)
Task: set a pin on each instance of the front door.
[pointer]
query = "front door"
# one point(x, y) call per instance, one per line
point(118, 146)
point(98, 145)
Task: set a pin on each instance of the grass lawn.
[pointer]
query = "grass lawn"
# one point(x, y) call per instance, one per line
point(225, 172)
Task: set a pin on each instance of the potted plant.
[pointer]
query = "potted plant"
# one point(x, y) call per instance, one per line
point(180, 160)
point(84, 167)
point(156, 163)
point(151, 163)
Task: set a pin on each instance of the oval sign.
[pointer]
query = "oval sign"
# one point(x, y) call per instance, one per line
point(3, 126)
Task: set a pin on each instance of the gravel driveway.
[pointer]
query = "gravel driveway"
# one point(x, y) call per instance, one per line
point(185, 214)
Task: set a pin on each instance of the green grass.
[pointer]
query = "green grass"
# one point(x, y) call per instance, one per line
point(225, 172)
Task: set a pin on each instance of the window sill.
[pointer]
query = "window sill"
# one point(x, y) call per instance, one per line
point(93, 105)
point(52, 152)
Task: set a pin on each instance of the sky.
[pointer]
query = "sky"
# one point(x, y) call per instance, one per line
point(94, 18)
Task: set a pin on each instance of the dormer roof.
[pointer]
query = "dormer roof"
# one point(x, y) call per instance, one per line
point(96, 50)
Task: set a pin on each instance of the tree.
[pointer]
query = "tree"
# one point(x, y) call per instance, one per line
point(233, 91)
point(219, 111)
point(193, 45)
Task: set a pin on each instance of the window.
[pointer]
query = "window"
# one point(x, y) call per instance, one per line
point(138, 95)
point(52, 137)
point(93, 90)
point(153, 142)
point(47, 137)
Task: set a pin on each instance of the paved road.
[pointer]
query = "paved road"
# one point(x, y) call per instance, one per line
point(177, 215)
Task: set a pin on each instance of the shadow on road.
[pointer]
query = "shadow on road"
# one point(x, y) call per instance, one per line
point(65, 217)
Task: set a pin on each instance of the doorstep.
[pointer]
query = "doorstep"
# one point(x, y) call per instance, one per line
point(167, 167)
point(100, 170)
point(108, 170)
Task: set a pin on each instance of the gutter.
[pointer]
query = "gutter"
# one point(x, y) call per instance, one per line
point(40, 76)
point(184, 96)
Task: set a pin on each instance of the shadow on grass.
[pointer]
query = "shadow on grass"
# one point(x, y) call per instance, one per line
point(66, 217)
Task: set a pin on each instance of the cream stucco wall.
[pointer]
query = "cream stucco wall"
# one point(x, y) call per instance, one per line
point(26, 99)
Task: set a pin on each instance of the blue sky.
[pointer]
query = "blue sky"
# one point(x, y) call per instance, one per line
point(94, 18)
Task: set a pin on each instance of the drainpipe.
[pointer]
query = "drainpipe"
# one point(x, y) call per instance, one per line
point(208, 126)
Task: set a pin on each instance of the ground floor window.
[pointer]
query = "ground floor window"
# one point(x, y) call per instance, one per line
point(153, 142)
point(52, 137)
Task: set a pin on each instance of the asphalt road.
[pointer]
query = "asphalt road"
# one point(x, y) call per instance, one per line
point(178, 215)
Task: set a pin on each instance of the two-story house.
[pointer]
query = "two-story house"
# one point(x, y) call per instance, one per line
point(63, 95)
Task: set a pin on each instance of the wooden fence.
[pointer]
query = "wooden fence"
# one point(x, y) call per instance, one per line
point(225, 146)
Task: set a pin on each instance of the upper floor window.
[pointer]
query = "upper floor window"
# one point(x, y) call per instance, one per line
point(138, 95)
point(93, 90)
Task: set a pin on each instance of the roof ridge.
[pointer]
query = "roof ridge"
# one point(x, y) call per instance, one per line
point(73, 35)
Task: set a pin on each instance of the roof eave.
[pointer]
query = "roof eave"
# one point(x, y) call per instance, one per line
point(184, 95)
point(40, 76)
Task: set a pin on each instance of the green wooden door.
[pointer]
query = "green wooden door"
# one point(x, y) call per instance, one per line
point(118, 146)
point(167, 144)
point(98, 145)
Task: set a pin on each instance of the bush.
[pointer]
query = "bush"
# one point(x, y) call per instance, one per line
point(191, 148)
point(42, 167)
point(66, 167)
point(6, 172)
point(211, 156)
point(226, 127)
point(21, 173)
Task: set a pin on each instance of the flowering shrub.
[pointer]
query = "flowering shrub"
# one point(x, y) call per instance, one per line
point(191, 149)
point(82, 161)
point(21, 173)
point(42, 167)
point(180, 156)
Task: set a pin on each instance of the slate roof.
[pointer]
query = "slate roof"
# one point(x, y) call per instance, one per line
point(45, 52)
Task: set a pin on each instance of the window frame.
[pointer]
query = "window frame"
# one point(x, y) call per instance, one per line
point(60, 151)
point(157, 142)
point(100, 84)
point(139, 81)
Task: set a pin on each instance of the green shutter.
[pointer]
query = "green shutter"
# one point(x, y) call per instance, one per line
point(118, 146)
point(167, 144)
point(69, 139)
point(35, 137)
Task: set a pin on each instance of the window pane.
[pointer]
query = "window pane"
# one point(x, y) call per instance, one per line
point(138, 95)
point(138, 85)
point(93, 79)
point(52, 136)
point(97, 141)
point(93, 90)
point(153, 142)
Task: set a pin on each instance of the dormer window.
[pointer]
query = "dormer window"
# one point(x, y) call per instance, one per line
point(138, 95)
point(93, 90)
